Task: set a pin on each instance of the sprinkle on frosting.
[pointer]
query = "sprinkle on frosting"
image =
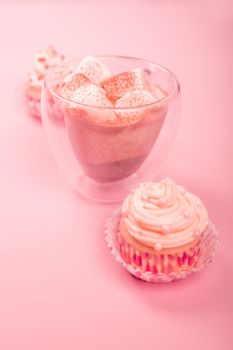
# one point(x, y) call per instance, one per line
point(166, 229)
point(187, 213)
point(158, 246)
point(165, 215)
point(196, 233)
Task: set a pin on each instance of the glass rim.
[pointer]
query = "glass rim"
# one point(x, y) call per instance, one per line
point(172, 94)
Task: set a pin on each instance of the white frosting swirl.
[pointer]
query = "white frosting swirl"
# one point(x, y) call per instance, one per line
point(46, 59)
point(163, 215)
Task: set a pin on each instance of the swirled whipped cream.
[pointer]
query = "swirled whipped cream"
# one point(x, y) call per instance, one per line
point(163, 215)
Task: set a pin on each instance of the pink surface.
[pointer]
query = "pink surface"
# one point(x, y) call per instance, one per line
point(59, 286)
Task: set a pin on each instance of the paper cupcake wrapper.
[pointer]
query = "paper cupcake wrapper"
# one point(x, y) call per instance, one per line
point(160, 268)
point(53, 109)
point(33, 107)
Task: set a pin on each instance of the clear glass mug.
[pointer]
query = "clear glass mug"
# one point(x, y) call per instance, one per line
point(104, 160)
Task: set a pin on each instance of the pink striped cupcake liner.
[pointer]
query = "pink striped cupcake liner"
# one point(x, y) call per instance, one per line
point(163, 267)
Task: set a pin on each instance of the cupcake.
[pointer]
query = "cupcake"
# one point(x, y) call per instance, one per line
point(162, 229)
point(43, 61)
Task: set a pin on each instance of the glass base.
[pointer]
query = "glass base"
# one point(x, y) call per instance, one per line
point(113, 192)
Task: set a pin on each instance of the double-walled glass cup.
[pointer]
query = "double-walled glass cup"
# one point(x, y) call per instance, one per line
point(103, 159)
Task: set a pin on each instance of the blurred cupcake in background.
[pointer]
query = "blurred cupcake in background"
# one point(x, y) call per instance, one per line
point(43, 61)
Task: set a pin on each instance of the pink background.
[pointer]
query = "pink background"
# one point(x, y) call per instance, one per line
point(59, 286)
